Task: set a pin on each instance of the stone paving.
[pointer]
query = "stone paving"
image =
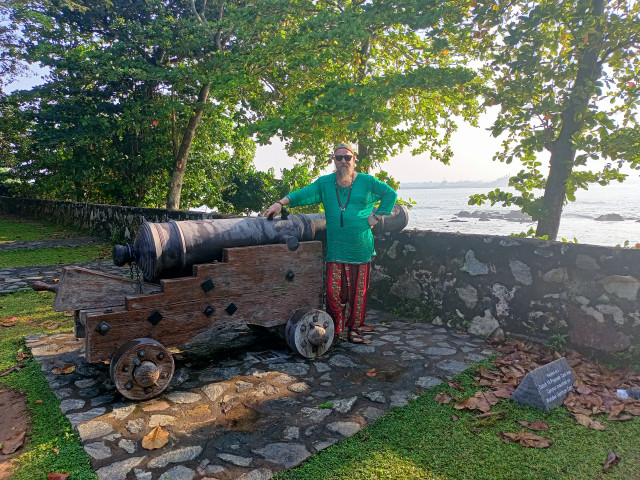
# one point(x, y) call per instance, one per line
point(241, 405)
point(244, 406)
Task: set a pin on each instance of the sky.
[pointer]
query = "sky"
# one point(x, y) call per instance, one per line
point(473, 150)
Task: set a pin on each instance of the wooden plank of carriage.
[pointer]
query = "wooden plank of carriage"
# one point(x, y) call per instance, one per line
point(250, 266)
point(253, 280)
point(80, 288)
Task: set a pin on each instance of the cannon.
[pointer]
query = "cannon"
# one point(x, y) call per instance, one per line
point(200, 276)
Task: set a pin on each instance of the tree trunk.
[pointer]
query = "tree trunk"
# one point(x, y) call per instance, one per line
point(175, 188)
point(563, 150)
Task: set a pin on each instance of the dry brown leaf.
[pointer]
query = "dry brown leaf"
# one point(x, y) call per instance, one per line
point(366, 328)
point(632, 408)
point(55, 280)
point(57, 476)
point(366, 342)
point(443, 398)
point(454, 418)
point(66, 369)
point(157, 438)
point(588, 422)
point(477, 402)
point(492, 414)
point(583, 390)
point(68, 314)
point(526, 439)
point(503, 392)
point(8, 321)
point(21, 356)
point(56, 451)
point(456, 386)
point(13, 443)
point(53, 326)
point(612, 459)
point(371, 373)
point(538, 425)
point(620, 418)
point(616, 410)
point(15, 368)
point(199, 410)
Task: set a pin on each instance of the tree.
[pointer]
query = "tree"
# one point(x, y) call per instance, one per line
point(565, 74)
point(382, 75)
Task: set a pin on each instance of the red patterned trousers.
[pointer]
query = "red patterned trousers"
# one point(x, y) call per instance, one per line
point(347, 284)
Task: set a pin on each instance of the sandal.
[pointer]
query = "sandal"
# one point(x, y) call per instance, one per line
point(354, 337)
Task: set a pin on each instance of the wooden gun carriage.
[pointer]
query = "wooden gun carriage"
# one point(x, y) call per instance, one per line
point(199, 276)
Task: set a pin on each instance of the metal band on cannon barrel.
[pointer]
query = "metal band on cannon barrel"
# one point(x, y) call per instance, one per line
point(168, 250)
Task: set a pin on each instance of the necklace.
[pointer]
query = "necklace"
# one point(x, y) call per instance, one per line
point(343, 207)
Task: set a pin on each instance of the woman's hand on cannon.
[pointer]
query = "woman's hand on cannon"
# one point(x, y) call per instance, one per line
point(276, 208)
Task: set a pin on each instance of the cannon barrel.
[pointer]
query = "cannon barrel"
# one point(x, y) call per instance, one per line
point(168, 250)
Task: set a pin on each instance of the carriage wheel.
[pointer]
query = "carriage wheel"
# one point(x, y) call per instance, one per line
point(141, 368)
point(310, 332)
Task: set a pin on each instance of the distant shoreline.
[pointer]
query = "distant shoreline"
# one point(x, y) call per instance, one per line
point(500, 182)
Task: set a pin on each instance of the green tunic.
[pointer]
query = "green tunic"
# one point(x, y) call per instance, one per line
point(353, 242)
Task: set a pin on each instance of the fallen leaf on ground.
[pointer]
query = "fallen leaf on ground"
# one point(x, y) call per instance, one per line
point(38, 402)
point(366, 342)
point(454, 418)
point(63, 370)
point(57, 476)
point(492, 414)
point(68, 314)
point(583, 390)
point(588, 422)
point(21, 356)
point(612, 459)
point(537, 425)
point(53, 326)
point(199, 410)
point(456, 386)
point(8, 321)
point(477, 402)
point(56, 451)
point(371, 373)
point(14, 443)
point(15, 368)
point(632, 408)
point(443, 398)
point(526, 439)
point(157, 438)
point(367, 328)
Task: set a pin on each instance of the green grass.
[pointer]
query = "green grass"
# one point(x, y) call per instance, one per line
point(56, 255)
point(13, 229)
point(422, 441)
point(51, 429)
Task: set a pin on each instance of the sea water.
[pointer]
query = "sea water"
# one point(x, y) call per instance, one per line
point(439, 209)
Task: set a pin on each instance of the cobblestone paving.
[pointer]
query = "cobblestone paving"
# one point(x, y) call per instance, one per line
point(240, 406)
point(243, 406)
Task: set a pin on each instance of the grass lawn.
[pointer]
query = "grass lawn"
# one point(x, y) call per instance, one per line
point(53, 446)
point(57, 255)
point(14, 229)
point(424, 441)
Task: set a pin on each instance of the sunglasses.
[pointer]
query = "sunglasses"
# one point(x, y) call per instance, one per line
point(346, 158)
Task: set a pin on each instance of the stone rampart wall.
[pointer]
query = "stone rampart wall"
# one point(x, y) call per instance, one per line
point(584, 295)
point(107, 221)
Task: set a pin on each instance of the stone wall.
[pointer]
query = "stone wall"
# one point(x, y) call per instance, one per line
point(107, 221)
point(584, 295)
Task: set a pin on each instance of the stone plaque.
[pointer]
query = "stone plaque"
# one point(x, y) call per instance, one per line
point(546, 387)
